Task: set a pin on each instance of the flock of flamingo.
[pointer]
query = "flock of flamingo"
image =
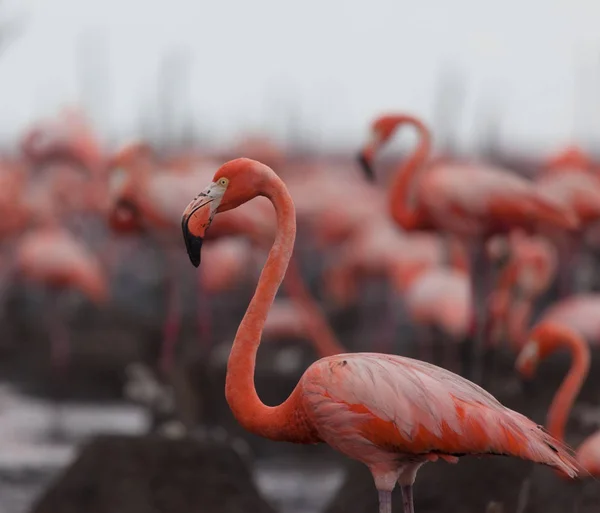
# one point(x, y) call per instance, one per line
point(465, 250)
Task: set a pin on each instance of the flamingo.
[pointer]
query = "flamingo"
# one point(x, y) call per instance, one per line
point(440, 299)
point(405, 259)
point(50, 255)
point(568, 179)
point(392, 413)
point(547, 337)
point(144, 199)
point(470, 202)
point(580, 312)
point(525, 276)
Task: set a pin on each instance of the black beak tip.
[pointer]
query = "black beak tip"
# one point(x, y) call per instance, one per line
point(193, 244)
point(366, 167)
point(194, 247)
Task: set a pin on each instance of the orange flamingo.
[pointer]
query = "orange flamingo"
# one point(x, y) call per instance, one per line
point(547, 337)
point(468, 201)
point(392, 413)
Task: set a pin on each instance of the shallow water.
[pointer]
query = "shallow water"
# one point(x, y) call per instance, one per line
point(30, 459)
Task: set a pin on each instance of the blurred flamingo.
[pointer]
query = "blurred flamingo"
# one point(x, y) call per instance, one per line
point(143, 199)
point(439, 301)
point(381, 250)
point(49, 255)
point(581, 313)
point(467, 201)
point(392, 413)
point(547, 337)
point(569, 179)
point(530, 264)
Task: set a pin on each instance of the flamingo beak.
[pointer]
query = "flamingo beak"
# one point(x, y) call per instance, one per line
point(365, 157)
point(363, 161)
point(197, 218)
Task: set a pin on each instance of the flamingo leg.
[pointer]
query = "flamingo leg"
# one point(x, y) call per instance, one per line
point(385, 502)
point(479, 279)
point(569, 251)
point(407, 498)
point(171, 327)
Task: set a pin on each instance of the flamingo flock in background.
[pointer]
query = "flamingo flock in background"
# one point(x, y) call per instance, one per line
point(466, 254)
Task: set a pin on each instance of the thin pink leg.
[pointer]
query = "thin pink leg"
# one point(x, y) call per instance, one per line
point(569, 250)
point(385, 502)
point(479, 277)
point(171, 327)
point(407, 499)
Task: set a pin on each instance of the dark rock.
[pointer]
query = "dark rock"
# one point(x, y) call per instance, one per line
point(153, 474)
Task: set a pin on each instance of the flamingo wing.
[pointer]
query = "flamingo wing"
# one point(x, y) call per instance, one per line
point(370, 405)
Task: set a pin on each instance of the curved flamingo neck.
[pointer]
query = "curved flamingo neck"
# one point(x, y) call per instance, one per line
point(283, 422)
point(565, 396)
point(320, 333)
point(403, 195)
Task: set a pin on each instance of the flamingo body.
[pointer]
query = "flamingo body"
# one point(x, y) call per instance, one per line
point(441, 297)
point(480, 201)
point(577, 190)
point(581, 313)
point(57, 259)
point(394, 414)
point(588, 454)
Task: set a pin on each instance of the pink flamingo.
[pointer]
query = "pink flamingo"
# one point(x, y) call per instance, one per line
point(392, 413)
point(548, 336)
point(526, 275)
point(569, 180)
point(440, 299)
point(467, 201)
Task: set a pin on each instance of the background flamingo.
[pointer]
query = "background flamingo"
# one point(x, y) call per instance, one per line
point(470, 202)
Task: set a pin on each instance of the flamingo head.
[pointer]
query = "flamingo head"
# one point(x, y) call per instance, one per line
point(528, 359)
point(235, 183)
point(381, 131)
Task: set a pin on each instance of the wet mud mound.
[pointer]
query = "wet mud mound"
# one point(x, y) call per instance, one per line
point(471, 486)
point(153, 475)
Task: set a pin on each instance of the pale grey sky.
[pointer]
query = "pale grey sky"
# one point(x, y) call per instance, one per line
point(342, 60)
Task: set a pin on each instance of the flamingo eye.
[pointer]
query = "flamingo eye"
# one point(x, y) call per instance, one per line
point(223, 182)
